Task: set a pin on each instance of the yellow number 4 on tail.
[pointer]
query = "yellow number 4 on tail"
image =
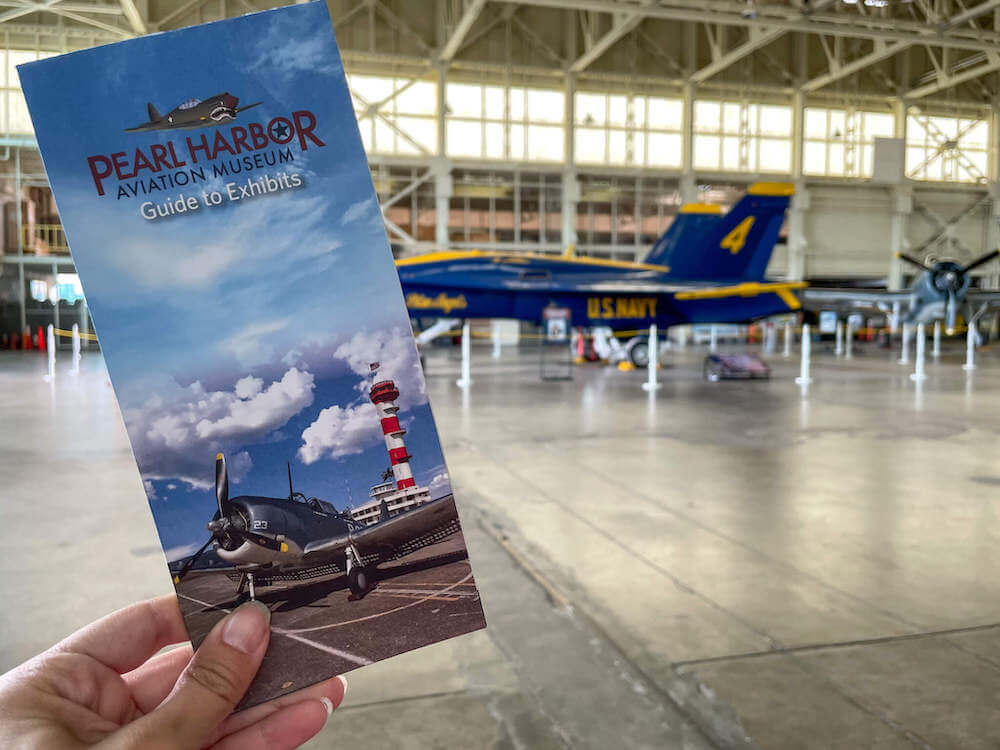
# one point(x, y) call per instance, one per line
point(736, 239)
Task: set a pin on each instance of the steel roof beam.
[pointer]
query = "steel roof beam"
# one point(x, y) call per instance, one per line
point(789, 19)
point(469, 16)
point(759, 37)
point(622, 26)
point(883, 51)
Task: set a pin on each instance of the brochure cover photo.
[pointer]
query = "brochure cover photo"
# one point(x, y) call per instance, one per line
point(221, 214)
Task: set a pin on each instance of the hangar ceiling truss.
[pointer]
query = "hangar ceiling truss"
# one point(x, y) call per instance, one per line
point(938, 52)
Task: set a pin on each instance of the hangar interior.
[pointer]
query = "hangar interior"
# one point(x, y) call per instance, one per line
point(757, 566)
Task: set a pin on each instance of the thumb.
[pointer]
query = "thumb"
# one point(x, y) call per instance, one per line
point(213, 683)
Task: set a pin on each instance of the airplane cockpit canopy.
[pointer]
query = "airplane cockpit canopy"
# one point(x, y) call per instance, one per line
point(189, 104)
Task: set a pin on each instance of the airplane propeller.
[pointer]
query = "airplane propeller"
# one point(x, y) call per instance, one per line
point(221, 483)
point(914, 262)
point(226, 525)
point(950, 279)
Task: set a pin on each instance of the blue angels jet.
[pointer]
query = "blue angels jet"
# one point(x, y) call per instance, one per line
point(708, 267)
point(941, 291)
point(268, 539)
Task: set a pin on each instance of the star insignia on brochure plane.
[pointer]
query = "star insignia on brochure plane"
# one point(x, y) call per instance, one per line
point(707, 267)
point(194, 113)
point(941, 291)
point(266, 539)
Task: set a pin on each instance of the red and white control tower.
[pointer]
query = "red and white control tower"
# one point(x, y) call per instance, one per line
point(384, 395)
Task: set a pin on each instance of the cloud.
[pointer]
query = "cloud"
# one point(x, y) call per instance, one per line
point(177, 433)
point(256, 411)
point(181, 551)
point(339, 432)
point(440, 485)
point(358, 211)
point(150, 489)
point(398, 360)
point(343, 430)
point(309, 54)
point(250, 345)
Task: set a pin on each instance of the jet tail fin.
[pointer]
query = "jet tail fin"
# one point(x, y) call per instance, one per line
point(692, 221)
point(153, 114)
point(736, 246)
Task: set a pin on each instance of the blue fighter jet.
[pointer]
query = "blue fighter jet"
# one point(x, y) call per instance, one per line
point(708, 267)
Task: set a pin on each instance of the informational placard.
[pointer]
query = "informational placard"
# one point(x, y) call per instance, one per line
point(220, 211)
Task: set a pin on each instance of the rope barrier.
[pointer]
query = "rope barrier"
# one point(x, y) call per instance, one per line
point(69, 334)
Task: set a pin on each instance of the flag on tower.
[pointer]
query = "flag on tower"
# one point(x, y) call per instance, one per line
point(373, 366)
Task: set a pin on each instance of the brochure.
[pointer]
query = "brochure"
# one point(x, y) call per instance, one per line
point(220, 211)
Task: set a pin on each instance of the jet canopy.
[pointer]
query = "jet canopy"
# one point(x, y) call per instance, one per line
point(189, 104)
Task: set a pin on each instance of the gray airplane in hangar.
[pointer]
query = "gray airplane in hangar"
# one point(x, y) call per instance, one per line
point(194, 113)
point(941, 291)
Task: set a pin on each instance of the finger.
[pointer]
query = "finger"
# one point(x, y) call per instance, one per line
point(153, 681)
point(333, 690)
point(286, 728)
point(125, 639)
point(210, 687)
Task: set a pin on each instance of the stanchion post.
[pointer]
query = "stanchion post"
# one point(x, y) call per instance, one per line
point(466, 380)
point(918, 373)
point(50, 341)
point(803, 378)
point(496, 339)
point(904, 352)
point(713, 338)
point(75, 369)
point(652, 369)
point(838, 337)
point(970, 348)
point(849, 340)
point(936, 351)
point(788, 339)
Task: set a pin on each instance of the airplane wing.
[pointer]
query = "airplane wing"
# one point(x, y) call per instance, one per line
point(387, 540)
point(144, 127)
point(852, 299)
point(976, 298)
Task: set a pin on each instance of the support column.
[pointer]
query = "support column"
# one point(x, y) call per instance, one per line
point(570, 199)
point(902, 202)
point(797, 243)
point(443, 189)
point(902, 207)
point(688, 184)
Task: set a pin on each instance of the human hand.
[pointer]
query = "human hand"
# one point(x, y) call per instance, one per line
point(103, 687)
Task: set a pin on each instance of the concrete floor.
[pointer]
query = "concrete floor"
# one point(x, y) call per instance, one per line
point(721, 565)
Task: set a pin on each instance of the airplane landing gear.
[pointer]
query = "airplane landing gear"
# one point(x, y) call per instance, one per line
point(246, 581)
point(358, 581)
point(359, 578)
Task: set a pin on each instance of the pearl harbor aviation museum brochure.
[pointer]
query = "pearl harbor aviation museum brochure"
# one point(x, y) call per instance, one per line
point(220, 211)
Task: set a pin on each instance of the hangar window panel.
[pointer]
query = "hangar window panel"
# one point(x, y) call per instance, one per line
point(742, 137)
point(664, 150)
point(509, 120)
point(627, 130)
point(13, 110)
point(465, 138)
point(838, 142)
point(395, 115)
point(948, 149)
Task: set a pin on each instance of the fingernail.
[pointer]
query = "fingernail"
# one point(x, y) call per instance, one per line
point(247, 627)
point(327, 704)
point(343, 681)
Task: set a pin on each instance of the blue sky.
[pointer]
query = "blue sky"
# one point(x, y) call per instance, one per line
point(247, 327)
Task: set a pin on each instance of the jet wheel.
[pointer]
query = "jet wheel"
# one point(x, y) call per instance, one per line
point(638, 354)
point(359, 580)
